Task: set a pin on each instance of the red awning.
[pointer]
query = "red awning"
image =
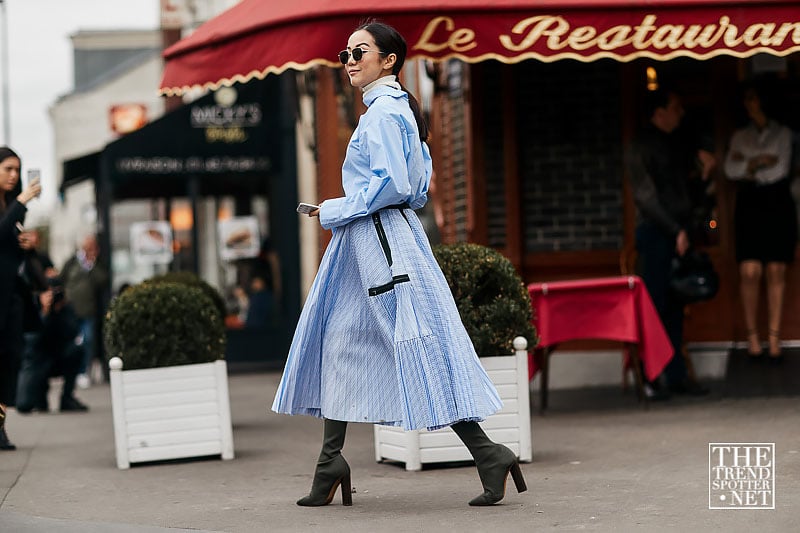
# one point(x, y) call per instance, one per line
point(258, 37)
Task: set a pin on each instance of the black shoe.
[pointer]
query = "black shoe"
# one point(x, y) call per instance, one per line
point(689, 387)
point(494, 463)
point(776, 359)
point(332, 470)
point(328, 477)
point(5, 444)
point(73, 404)
point(755, 359)
point(655, 393)
point(26, 410)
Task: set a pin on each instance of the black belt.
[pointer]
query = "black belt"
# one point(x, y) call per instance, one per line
point(387, 251)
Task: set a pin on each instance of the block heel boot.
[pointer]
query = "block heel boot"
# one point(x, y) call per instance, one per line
point(332, 470)
point(5, 444)
point(494, 462)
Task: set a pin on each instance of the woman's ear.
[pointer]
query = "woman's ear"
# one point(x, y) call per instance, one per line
point(389, 61)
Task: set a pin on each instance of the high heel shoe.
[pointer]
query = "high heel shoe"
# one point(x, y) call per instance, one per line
point(328, 477)
point(752, 339)
point(494, 462)
point(494, 478)
point(332, 470)
point(775, 349)
point(5, 444)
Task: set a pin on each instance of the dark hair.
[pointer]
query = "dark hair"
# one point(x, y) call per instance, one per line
point(390, 41)
point(5, 153)
point(765, 88)
point(657, 99)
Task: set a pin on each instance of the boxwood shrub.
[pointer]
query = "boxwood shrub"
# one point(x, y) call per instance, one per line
point(193, 280)
point(492, 299)
point(163, 324)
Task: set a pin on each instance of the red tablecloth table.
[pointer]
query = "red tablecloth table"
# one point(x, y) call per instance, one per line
point(616, 308)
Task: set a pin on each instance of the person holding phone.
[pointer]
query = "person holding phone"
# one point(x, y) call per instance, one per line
point(13, 290)
point(380, 339)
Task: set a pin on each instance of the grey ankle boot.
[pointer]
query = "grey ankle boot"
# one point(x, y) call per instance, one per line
point(494, 462)
point(332, 470)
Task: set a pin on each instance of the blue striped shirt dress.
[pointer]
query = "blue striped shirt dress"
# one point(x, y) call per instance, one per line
point(380, 339)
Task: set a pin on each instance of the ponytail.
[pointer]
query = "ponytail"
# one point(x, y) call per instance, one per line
point(422, 124)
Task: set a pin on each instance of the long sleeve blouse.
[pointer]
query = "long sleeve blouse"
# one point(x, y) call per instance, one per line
point(11, 254)
point(749, 142)
point(386, 163)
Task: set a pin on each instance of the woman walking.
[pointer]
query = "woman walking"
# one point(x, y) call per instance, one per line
point(379, 339)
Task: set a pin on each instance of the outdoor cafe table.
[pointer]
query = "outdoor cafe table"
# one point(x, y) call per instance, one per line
point(616, 308)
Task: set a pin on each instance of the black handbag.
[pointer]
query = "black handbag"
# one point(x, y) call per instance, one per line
point(693, 277)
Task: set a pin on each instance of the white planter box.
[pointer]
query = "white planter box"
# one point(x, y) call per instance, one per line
point(171, 412)
point(510, 426)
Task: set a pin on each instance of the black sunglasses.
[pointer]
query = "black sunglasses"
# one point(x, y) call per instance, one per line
point(357, 53)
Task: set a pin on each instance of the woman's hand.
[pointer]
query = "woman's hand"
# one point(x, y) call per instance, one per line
point(46, 301)
point(314, 213)
point(30, 192)
point(28, 240)
point(760, 162)
point(681, 243)
point(707, 163)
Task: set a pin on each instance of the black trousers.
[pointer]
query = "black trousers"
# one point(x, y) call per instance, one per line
point(11, 347)
point(39, 365)
point(656, 250)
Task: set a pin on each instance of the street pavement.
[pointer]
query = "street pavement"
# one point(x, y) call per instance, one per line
point(600, 463)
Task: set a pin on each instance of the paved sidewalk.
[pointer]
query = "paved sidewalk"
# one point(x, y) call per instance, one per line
point(601, 463)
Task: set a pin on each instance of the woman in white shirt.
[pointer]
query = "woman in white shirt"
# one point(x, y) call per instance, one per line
point(765, 218)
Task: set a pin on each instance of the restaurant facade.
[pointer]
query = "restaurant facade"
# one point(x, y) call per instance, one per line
point(532, 105)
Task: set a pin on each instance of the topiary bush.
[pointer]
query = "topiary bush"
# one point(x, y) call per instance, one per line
point(492, 299)
point(163, 324)
point(193, 280)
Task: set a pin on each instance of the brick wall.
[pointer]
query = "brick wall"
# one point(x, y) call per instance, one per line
point(492, 137)
point(451, 173)
point(570, 155)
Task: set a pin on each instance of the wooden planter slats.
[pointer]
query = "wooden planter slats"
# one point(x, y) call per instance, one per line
point(510, 426)
point(171, 412)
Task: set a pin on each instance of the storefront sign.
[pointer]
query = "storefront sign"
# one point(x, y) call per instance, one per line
point(151, 242)
point(238, 238)
point(554, 37)
point(229, 131)
point(224, 120)
point(125, 118)
point(248, 42)
point(183, 165)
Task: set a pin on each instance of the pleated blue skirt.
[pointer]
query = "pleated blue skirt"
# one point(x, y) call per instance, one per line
point(380, 339)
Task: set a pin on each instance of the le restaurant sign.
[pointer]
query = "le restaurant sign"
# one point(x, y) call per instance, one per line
point(249, 41)
point(552, 37)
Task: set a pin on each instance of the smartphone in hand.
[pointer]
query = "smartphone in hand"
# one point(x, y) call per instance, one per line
point(305, 208)
point(34, 175)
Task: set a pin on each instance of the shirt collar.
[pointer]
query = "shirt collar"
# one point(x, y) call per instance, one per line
point(381, 86)
point(771, 125)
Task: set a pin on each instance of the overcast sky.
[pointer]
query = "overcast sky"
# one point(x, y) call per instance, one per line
point(40, 67)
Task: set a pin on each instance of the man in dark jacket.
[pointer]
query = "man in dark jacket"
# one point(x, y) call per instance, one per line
point(55, 349)
point(659, 166)
point(84, 279)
